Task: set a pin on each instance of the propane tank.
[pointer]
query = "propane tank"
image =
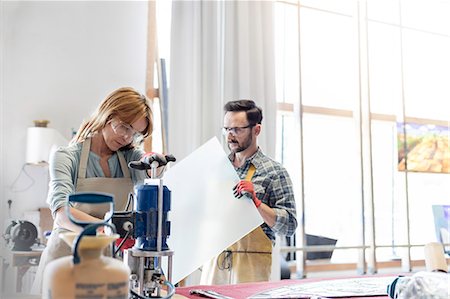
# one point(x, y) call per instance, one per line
point(88, 273)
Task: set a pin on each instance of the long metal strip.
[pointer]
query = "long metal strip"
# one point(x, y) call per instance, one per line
point(301, 233)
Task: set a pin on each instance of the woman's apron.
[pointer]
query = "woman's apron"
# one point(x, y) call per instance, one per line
point(247, 260)
point(119, 187)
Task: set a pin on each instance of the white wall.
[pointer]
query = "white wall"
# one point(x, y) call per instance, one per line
point(59, 60)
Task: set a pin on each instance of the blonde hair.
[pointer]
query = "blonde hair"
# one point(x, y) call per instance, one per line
point(126, 104)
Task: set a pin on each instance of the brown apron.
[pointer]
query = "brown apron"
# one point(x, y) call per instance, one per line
point(119, 187)
point(247, 260)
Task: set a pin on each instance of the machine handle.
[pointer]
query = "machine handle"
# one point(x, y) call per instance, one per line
point(87, 232)
point(170, 158)
point(143, 165)
point(90, 198)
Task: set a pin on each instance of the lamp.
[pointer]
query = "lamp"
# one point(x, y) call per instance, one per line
point(41, 141)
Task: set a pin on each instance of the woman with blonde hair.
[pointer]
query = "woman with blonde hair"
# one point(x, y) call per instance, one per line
point(96, 161)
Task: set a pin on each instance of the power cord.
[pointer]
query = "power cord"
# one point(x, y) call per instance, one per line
point(127, 235)
point(130, 199)
point(23, 170)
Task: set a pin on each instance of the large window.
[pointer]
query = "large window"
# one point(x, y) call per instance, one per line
point(347, 72)
point(332, 58)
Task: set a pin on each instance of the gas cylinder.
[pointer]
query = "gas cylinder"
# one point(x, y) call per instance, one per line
point(88, 273)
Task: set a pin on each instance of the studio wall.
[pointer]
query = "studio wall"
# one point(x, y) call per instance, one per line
point(59, 59)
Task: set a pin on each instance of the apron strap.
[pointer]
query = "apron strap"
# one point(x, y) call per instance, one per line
point(250, 172)
point(123, 165)
point(84, 158)
point(246, 251)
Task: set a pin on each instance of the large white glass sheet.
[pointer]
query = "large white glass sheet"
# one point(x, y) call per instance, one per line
point(206, 217)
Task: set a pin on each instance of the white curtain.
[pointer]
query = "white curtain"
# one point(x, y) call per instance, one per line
point(220, 51)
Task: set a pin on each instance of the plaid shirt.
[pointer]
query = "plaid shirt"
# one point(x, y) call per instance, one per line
point(274, 188)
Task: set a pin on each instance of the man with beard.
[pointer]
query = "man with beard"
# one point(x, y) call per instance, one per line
point(264, 181)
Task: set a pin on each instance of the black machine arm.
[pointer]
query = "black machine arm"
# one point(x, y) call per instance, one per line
point(154, 160)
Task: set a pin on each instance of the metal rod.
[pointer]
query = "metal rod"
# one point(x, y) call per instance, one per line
point(288, 108)
point(358, 119)
point(160, 214)
point(368, 148)
point(317, 248)
point(301, 230)
point(141, 275)
point(169, 268)
point(406, 262)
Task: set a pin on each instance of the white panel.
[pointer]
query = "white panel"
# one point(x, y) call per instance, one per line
point(206, 217)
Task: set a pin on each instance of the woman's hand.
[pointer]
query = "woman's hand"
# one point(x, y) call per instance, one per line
point(155, 159)
point(62, 219)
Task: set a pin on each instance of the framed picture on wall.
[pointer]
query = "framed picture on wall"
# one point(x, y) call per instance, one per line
point(423, 148)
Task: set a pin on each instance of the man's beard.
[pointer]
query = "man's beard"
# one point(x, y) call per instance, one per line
point(242, 147)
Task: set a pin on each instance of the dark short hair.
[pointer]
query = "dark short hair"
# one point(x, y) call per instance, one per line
point(254, 113)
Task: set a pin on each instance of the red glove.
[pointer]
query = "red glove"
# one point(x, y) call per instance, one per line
point(246, 187)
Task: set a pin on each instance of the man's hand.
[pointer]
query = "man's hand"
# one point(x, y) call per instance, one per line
point(246, 187)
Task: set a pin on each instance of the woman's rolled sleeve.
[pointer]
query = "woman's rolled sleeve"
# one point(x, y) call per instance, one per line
point(62, 179)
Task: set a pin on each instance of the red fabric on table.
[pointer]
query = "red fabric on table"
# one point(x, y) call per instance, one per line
point(245, 290)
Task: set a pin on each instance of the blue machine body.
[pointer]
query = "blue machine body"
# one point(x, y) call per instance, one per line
point(146, 221)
